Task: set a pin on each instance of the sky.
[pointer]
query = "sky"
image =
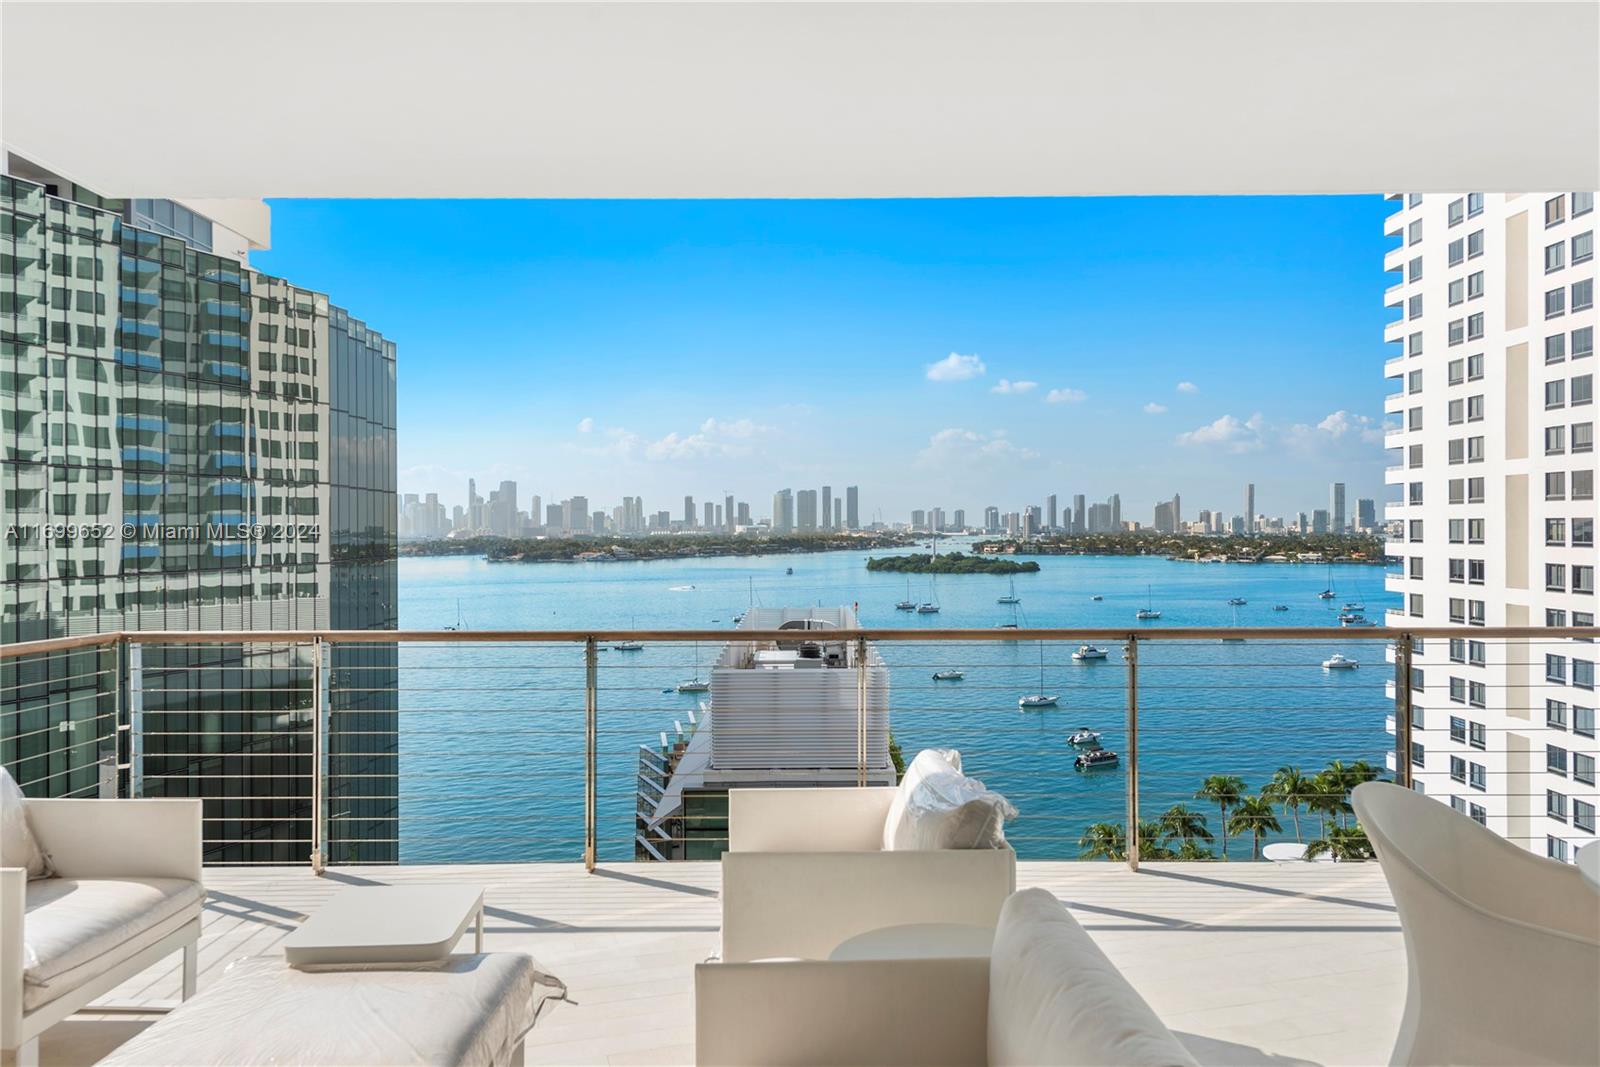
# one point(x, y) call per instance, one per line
point(954, 353)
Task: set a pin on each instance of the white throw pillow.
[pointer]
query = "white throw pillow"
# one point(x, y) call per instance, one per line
point(953, 811)
point(928, 761)
point(18, 846)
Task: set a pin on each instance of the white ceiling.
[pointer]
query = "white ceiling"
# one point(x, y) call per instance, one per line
point(802, 99)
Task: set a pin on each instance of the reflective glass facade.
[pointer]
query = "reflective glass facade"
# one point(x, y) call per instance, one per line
point(155, 397)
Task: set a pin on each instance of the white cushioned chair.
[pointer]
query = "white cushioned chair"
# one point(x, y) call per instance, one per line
point(807, 868)
point(124, 892)
point(1046, 995)
point(1502, 946)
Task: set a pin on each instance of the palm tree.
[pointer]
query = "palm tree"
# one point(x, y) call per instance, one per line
point(1223, 790)
point(1192, 850)
point(1291, 789)
point(1153, 841)
point(1345, 844)
point(1327, 799)
point(1103, 841)
point(1254, 816)
point(1184, 823)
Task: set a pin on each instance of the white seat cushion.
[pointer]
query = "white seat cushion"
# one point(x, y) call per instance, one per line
point(468, 1010)
point(77, 928)
point(1054, 998)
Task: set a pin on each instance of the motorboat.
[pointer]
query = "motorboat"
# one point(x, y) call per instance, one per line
point(1084, 736)
point(1339, 662)
point(1037, 701)
point(1358, 621)
point(1355, 607)
point(1326, 594)
point(1094, 758)
point(1097, 596)
point(1011, 597)
point(949, 675)
point(693, 685)
point(1347, 617)
point(1238, 601)
point(788, 570)
point(627, 646)
point(1280, 607)
point(1087, 652)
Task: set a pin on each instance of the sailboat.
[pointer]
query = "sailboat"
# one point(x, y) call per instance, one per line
point(1149, 610)
point(931, 605)
point(907, 604)
point(1012, 625)
point(695, 684)
point(460, 622)
point(629, 645)
point(1039, 699)
point(1328, 593)
point(1234, 640)
point(1011, 597)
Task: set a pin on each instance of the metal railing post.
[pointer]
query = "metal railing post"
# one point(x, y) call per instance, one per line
point(1130, 652)
point(319, 758)
point(861, 711)
point(591, 707)
point(1402, 710)
point(134, 695)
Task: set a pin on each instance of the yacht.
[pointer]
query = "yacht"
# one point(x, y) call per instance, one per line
point(1280, 607)
point(1355, 606)
point(931, 605)
point(1328, 593)
point(1084, 736)
point(1339, 662)
point(1039, 699)
point(951, 675)
point(1358, 621)
point(1095, 757)
point(773, 717)
point(1149, 610)
point(907, 604)
point(1238, 601)
point(1097, 596)
point(1087, 652)
point(1011, 597)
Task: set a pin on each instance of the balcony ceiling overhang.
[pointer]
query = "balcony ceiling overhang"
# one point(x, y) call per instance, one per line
point(802, 99)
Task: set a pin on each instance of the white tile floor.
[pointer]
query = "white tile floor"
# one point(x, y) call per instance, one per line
point(1249, 963)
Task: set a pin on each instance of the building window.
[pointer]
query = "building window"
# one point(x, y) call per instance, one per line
point(1476, 735)
point(1475, 285)
point(1414, 306)
point(1474, 531)
point(1414, 568)
point(1555, 256)
point(1583, 768)
point(1583, 247)
point(1583, 673)
point(1458, 768)
point(1555, 485)
point(1555, 714)
point(1414, 269)
point(1583, 815)
point(1555, 348)
point(1582, 437)
point(1582, 204)
point(1555, 848)
point(1555, 440)
point(1475, 571)
point(1475, 450)
point(1456, 211)
point(1456, 292)
point(1457, 253)
point(1414, 419)
point(1477, 777)
point(1455, 412)
point(1555, 394)
point(1458, 730)
point(1419, 755)
point(1458, 694)
point(1582, 721)
point(1457, 490)
point(1475, 367)
point(1414, 382)
point(1555, 577)
point(1583, 295)
point(1475, 205)
point(1555, 668)
point(1414, 344)
point(1474, 244)
point(1476, 653)
point(1555, 210)
point(1475, 408)
point(1456, 332)
point(1456, 371)
point(1477, 694)
point(1478, 814)
point(1582, 391)
point(1583, 531)
point(1414, 531)
point(1555, 805)
point(1583, 579)
point(1475, 326)
point(1414, 232)
point(1555, 303)
point(1555, 760)
point(1415, 600)
point(1458, 649)
point(1555, 532)
point(1583, 485)
point(1583, 342)
point(1457, 533)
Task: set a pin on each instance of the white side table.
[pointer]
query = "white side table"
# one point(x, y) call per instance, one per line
point(918, 941)
point(387, 924)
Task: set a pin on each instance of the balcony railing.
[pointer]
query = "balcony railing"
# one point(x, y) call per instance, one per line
point(348, 747)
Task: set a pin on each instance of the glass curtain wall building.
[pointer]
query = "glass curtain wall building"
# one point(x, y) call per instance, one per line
point(191, 445)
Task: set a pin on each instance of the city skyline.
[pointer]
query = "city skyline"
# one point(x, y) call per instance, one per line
point(1112, 344)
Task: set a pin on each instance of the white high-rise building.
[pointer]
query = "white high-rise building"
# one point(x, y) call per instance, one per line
point(1250, 507)
point(1493, 429)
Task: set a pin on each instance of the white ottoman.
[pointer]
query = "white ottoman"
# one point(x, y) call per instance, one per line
point(470, 1009)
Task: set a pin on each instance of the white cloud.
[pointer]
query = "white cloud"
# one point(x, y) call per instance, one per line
point(1340, 426)
point(956, 368)
point(586, 425)
point(736, 428)
point(715, 437)
point(1153, 408)
point(1188, 387)
point(1008, 387)
point(958, 447)
point(1066, 396)
point(1227, 432)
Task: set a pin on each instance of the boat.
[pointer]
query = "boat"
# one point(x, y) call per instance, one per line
point(695, 684)
point(1087, 652)
point(1095, 757)
point(1039, 699)
point(461, 623)
point(1358, 621)
point(1234, 640)
point(1347, 617)
point(927, 609)
point(907, 604)
point(1238, 601)
point(788, 570)
point(1328, 593)
point(1084, 736)
point(1339, 662)
point(1097, 596)
point(1149, 610)
point(949, 675)
point(1011, 597)
point(629, 646)
point(931, 605)
point(1280, 607)
point(1355, 606)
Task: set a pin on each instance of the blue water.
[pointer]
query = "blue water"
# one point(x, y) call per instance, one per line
point(492, 737)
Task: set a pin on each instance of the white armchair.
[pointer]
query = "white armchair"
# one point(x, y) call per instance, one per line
point(1502, 946)
point(125, 893)
point(806, 869)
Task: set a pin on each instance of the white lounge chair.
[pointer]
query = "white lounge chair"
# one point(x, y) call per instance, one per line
point(125, 893)
point(1502, 946)
point(1045, 995)
point(806, 869)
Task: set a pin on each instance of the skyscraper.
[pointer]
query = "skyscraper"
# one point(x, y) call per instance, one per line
point(1366, 514)
point(805, 510)
point(838, 514)
point(1250, 524)
point(1494, 356)
point(727, 512)
point(1051, 516)
point(852, 507)
point(710, 516)
point(195, 392)
point(782, 511)
point(826, 518)
point(1079, 519)
point(1336, 506)
point(688, 512)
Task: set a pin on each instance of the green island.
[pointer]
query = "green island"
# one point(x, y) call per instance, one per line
point(1257, 548)
point(1181, 832)
point(952, 563)
point(678, 546)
